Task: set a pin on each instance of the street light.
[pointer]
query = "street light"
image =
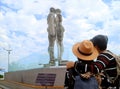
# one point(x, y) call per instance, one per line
point(8, 50)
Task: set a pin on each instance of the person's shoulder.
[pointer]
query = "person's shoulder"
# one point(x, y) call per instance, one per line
point(106, 54)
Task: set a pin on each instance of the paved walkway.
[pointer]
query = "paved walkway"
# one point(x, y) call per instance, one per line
point(3, 87)
point(15, 85)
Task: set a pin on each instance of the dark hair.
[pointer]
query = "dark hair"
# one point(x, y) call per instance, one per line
point(100, 41)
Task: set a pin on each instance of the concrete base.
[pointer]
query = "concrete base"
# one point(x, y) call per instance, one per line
point(30, 76)
point(63, 62)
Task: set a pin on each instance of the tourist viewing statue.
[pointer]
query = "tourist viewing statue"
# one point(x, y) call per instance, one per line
point(55, 34)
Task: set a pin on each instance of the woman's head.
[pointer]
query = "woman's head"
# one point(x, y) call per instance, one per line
point(100, 41)
point(85, 50)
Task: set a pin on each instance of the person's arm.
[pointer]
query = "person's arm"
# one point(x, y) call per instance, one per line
point(80, 67)
point(95, 67)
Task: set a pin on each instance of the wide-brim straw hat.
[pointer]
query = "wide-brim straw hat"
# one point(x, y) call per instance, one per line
point(85, 50)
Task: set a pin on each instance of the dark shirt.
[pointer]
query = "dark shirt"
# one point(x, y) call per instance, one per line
point(104, 61)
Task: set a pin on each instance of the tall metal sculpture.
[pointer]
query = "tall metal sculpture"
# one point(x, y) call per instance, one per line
point(55, 34)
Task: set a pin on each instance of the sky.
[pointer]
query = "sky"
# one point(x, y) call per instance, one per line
point(23, 28)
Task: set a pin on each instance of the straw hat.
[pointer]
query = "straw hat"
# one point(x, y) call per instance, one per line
point(85, 50)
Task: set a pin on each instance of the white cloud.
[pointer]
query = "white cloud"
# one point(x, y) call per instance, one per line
point(20, 28)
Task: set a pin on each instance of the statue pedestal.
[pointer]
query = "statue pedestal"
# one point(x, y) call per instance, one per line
point(56, 63)
point(39, 76)
point(63, 62)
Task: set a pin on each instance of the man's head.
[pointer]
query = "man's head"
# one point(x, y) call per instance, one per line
point(52, 9)
point(100, 41)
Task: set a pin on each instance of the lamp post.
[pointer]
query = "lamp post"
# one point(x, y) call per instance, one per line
point(8, 58)
point(8, 50)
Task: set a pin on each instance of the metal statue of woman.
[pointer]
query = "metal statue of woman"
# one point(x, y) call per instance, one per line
point(51, 34)
point(59, 34)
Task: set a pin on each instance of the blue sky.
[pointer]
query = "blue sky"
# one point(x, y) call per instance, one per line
point(23, 28)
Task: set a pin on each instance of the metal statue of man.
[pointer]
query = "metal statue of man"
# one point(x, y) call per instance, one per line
point(51, 34)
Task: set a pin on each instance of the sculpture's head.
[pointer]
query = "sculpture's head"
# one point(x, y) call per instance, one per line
point(58, 11)
point(52, 9)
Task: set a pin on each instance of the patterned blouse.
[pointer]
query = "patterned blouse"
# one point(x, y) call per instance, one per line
point(104, 61)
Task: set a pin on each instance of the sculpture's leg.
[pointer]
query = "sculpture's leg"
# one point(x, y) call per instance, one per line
point(51, 50)
point(51, 54)
point(60, 51)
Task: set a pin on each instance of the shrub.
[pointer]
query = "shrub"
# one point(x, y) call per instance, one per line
point(1, 76)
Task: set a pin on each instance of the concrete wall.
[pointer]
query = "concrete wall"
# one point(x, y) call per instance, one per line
point(30, 76)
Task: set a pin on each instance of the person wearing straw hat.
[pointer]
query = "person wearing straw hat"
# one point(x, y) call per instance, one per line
point(85, 53)
point(104, 61)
